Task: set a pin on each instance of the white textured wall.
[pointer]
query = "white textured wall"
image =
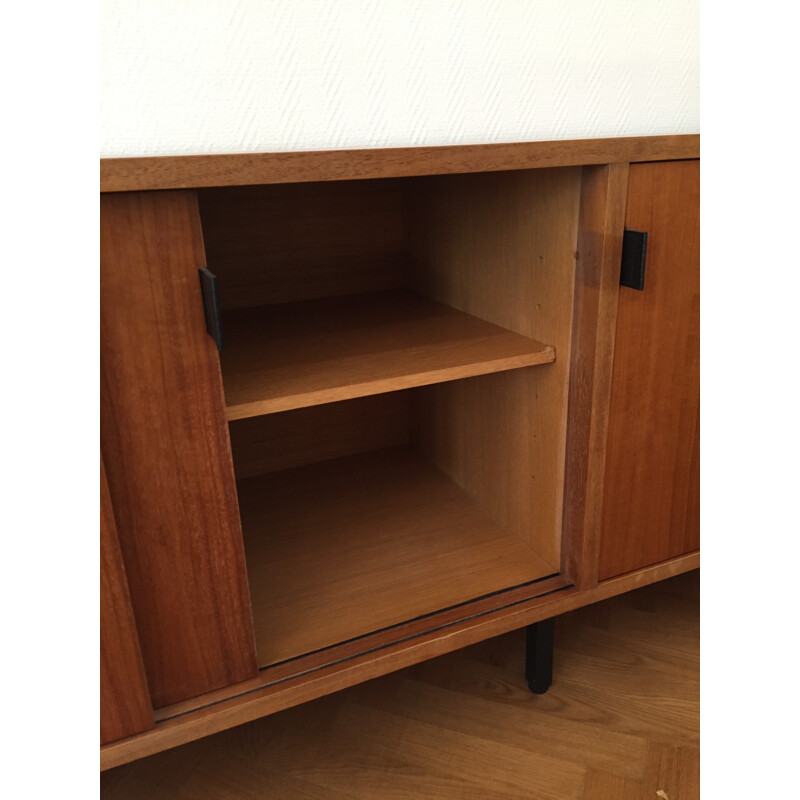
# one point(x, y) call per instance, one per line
point(226, 76)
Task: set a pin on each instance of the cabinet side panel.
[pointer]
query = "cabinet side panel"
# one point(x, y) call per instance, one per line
point(166, 449)
point(124, 697)
point(502, 248)
point(481, 432)
point(651, 508)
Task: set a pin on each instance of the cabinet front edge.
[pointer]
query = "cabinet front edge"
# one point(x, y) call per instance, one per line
point(255, 704)
point(240, 169)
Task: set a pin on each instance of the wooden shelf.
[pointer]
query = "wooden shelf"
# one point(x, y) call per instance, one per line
point(348, 546)
point(294, 355)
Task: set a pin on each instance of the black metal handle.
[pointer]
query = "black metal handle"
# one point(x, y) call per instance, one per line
point(634, 255)
point(208, 286)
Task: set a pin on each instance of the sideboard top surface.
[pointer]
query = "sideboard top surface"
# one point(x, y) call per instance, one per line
point(240, 169)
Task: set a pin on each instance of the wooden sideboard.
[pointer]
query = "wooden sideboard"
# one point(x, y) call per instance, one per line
point(435, 415)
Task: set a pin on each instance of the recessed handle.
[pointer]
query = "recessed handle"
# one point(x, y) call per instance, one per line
point(634, 256)
point(208, 286)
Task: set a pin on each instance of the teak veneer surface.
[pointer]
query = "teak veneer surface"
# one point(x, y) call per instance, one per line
point(166, 450)
point(256, 700)
point(293, 355)
point(290, 673)
point(124, 697)
point(600, 230)
point(238, 169)
point(341, 548)
point(651, 509)
point(268, 692)
point(621, 722)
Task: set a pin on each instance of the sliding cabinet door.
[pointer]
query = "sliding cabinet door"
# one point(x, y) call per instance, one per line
point(166, 449)
point(651, 509)
point(124, 698)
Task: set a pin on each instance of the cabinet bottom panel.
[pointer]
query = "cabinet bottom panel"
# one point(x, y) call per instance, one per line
point(341, 548)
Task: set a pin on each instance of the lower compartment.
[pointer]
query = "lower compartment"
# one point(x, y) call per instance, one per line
point(367, 513)
point(341, 548)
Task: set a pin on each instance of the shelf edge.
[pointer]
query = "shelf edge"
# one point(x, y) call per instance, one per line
point(258, 408)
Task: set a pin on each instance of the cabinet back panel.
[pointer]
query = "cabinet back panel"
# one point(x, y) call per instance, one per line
point(295, 438)
point(281, 243)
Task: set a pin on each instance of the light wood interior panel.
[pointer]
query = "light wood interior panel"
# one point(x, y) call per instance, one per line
point(502, 247)
point(482, 432)
point(294, 355)
point(277, 244)
point(281, 441)
point(345, 547)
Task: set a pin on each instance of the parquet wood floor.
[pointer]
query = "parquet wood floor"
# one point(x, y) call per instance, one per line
point(621, 722)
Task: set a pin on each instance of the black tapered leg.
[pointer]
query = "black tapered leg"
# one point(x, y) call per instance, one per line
point(539, 655)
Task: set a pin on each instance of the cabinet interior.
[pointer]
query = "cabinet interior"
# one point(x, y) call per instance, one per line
point(395, 369)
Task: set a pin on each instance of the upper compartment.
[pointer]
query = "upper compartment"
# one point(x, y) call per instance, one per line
point(337, 290)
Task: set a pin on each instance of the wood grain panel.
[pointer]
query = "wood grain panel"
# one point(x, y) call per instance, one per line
point(481, 433)
point(320, 351)
point(342, 548)
point(124, 697)
point(182, 172)
point(440, 620)
point(294, 438)
point(255, 701)
point(602, 214)
point(166, 449)
point(623, 711)
point(651, 509)
point(502, 248)
point(278, 244)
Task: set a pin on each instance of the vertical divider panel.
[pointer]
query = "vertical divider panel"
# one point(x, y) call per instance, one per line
point(125, 706)
point(166, 449)
point(501, 246)
point(600, 229)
